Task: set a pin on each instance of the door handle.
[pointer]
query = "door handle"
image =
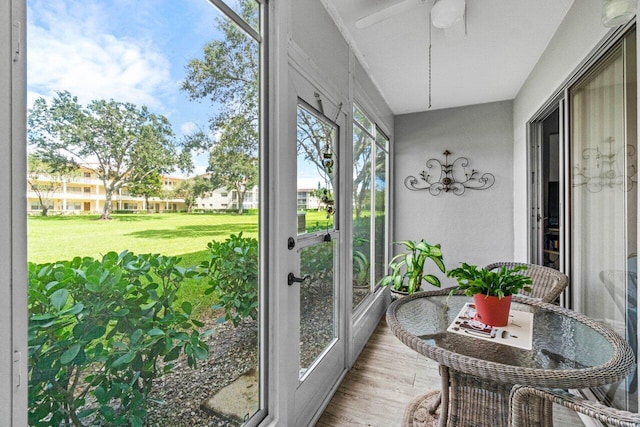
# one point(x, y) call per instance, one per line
point(291, 279)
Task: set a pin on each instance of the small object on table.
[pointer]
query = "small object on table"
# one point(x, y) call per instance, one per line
point(518, 333)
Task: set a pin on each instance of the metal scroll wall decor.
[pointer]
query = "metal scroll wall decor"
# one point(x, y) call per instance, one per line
point(449, 177)
point(598, 168)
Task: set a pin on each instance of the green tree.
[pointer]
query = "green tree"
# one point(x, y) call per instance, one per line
point(192, 189)
point(149, 186)
point(315, 139)
point(126, 143)
point(228, 75)
point(46, 179)
point(233, 163)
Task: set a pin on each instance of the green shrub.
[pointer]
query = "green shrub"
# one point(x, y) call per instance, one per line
point(317, 261)
point(232, 272)
point(98, 330)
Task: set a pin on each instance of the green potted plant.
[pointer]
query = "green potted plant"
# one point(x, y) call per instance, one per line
point(407, 269)
point(361, 265)
point(491, 290)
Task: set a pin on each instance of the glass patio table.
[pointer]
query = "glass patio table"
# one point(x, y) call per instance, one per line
point(569, 351)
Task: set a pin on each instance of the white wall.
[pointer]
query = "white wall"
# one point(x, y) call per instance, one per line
point(316, 34)
point(576, 37)
point(477, 226)
point(368, 97)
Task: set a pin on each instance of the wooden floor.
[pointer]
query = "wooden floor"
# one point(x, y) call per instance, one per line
point(386, 376)
point(384, 379)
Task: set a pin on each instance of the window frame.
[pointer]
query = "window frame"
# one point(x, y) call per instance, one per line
point(13, 214)
point(377, 129)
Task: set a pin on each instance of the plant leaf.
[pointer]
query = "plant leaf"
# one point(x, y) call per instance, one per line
point(187, 308)
point(124, 359)
point(59, 298)
point(71, 353)
point(155, 332)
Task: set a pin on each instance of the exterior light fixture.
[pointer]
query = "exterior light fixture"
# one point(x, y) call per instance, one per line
point(618, 12)
point(446, 13)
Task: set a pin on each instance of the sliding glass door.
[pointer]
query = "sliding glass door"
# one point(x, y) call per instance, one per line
point(603, 194)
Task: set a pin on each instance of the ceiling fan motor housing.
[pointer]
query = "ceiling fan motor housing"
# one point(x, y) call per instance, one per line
point(446, 13)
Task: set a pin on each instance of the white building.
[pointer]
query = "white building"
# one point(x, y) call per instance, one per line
point(223, 199)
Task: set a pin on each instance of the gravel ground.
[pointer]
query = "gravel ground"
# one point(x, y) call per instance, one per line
point(233, 351)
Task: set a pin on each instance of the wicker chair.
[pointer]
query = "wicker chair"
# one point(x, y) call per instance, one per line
point(531, 407)
point(548, 283)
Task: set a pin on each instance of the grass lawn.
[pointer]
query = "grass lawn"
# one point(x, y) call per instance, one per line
point(186, 235)
point(64, 237)
point(59, 238)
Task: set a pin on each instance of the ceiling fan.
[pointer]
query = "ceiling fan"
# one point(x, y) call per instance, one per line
point(444, 13)
point(449, 15)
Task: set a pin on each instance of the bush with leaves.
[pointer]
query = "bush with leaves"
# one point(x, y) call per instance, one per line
point(97, 332)
point(316, 261)
point(232, 272)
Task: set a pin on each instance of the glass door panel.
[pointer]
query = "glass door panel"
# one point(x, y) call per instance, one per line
point(316, 168)
point(604, 199)
point(318, 327)
point(316, 206)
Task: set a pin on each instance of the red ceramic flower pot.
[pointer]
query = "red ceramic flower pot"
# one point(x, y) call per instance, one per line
point(491, 310)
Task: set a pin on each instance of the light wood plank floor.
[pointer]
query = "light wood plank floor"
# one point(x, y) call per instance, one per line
point(384, 379)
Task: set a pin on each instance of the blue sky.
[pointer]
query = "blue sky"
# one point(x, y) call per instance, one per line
point(126, 50)
point(130, 51)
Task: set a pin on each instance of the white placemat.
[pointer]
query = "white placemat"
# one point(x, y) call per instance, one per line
point(518, 333)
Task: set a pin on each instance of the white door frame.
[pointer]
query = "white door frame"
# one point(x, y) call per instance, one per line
point(315, 389)
point(13, 228)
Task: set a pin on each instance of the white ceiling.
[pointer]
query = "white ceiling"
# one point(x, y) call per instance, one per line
point(504, 40)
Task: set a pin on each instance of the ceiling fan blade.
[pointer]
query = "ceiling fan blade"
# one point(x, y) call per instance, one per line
point(388, 12)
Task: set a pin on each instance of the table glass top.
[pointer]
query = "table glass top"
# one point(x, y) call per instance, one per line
point(559, 342)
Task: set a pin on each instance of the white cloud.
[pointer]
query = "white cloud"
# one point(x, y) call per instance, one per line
point(199, 170)
point(70, 48)
point(188, 128)
point(217, 134)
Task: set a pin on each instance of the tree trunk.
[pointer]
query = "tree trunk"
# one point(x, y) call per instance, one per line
point(359, 203)
point(146, 203)
point(357, 206)
point(43, 205)
point(241, 201)
point(106, 211)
